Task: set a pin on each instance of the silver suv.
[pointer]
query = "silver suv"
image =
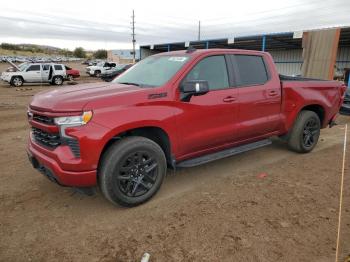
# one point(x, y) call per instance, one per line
point(34, 73)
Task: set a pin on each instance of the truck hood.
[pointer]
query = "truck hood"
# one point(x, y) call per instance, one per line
point(13, 65)
point(74, 98)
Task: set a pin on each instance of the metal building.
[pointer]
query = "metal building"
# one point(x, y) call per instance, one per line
point(286, 48)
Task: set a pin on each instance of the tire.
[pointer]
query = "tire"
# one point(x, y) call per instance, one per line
point(70, 77)
point(132, 171)
point(305, 133)
point(17, 81)
point(57, 80)
point(97, 73)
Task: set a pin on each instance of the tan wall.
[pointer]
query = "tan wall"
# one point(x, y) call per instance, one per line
point(319, 53)
point(116, 59)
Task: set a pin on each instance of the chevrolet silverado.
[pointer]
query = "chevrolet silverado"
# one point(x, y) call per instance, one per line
point(174, 109)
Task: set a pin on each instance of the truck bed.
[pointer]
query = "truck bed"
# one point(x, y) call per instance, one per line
point(298, 78)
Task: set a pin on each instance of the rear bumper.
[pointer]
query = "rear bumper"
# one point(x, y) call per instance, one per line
point(51, 169)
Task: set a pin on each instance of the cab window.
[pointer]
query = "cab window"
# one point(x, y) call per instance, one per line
point(33, 68)
point(46, 67)
point(212, 69)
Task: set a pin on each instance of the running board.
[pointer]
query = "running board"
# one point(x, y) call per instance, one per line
point(224, 153)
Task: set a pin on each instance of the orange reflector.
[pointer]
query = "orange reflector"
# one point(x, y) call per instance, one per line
point(87, 117)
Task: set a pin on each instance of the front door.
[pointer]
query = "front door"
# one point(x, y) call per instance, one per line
point(207, 121)
point(33, 74)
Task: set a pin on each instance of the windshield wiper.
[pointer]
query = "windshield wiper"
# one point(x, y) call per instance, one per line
point(129, 83)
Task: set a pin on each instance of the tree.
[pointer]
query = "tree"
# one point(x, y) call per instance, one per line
point(100, 54)
point(79, 52)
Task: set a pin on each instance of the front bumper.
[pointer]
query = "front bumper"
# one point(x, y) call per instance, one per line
point(51, 169)
point(5, 79)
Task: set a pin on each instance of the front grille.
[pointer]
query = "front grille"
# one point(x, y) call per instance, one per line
point(43, 119)
point(47, 139)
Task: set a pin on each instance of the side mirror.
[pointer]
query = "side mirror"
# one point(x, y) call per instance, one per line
point(195, 87)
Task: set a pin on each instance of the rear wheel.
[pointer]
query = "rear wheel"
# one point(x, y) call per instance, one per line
point(17, 81)
point(305, 133)
point(70, 78)
point(132, 171)
point(57, 80)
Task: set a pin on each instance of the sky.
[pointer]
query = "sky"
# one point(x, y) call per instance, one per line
point(106, 24)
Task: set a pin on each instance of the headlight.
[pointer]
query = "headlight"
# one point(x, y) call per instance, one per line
point(71, 121)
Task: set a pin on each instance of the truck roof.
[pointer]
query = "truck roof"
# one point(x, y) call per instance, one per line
point(196, 52)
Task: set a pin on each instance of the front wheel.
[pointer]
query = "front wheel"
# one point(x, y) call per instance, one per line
point(305, 133)
point(97, 73)
point(132, 171)
point(17, 81)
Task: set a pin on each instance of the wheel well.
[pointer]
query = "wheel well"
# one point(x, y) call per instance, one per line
point(155, 134)
point(317, 109)
point(17, 76)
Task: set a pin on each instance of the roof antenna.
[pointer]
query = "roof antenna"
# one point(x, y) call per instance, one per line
point(190, 49)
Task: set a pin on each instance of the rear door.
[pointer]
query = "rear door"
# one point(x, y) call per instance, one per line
point(208, 121)
point(45, 72)
point(259, 97)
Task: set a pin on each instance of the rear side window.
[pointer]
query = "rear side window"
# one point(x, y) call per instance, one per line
point(251, 70)
point(33, 68)
point(58, 67)
point(212, 69)
point(46, 67)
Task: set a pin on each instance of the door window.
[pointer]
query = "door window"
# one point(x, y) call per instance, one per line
point(46, 67)
point(251, 70)
point(33, 68)
point(212, 69)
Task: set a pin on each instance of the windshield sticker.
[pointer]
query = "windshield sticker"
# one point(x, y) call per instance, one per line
point(178, 58)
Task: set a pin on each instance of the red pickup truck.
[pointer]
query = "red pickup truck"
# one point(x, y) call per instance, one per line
point(175, 109)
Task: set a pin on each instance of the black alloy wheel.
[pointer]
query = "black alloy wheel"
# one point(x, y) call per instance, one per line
point(137, 174)
point(311, 132)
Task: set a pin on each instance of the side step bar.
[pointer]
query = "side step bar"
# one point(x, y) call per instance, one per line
point(224, 153)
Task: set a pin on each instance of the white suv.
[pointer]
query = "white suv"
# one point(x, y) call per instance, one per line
point(35, 73)
point(99, 68)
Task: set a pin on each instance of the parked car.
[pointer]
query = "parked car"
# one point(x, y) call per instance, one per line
point(35, 73)
point(108, 76)
point(174, 109)
point(86, 62)
point(345, 107)
point(71, 73)
point(99, 68)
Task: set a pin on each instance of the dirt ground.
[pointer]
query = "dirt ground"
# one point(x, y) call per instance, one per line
point(265, 205)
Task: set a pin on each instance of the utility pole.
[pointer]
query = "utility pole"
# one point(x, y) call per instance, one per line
point(199, 30)
point(133, 34)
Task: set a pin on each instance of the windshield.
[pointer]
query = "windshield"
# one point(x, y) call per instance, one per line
point(153, 71)
point(22, 66)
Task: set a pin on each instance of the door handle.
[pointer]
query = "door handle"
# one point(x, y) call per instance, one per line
point(229, 99)
point(273, 93)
